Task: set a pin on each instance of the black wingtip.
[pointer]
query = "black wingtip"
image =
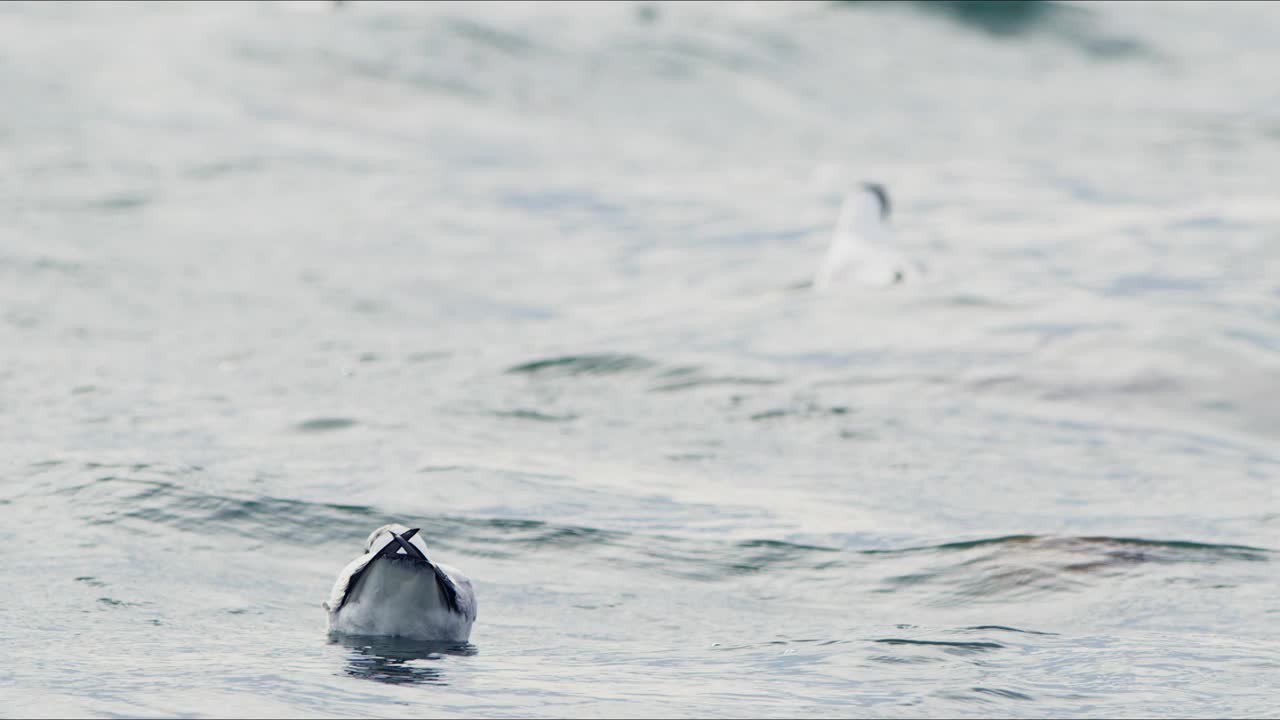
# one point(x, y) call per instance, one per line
point(448, 592)
point(882, 195)
point(402, 543)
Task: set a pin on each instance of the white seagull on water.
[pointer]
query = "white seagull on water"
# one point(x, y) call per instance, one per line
point(394, 590)
point(862, 251)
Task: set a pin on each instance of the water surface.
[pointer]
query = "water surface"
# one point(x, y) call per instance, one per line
point(531, 278)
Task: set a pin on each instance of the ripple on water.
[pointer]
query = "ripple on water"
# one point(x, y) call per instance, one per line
point(535, 415)
point(1023, 566)
point(1002, 693)
point(951, 646)
point(569, 365)
point(996, 569)
point(325, 424)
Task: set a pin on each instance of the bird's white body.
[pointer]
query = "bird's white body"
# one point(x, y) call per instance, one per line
point(388, 591)
point(861, 251)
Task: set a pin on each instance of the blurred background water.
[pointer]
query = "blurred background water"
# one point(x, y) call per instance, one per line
point(530, 277)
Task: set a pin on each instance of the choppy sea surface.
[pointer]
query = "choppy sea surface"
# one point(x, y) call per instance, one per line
point(531, 278)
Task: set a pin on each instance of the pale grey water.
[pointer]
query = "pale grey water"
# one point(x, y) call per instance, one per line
point(272, 275)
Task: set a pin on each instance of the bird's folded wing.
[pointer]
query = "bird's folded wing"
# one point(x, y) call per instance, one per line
point(347, 578)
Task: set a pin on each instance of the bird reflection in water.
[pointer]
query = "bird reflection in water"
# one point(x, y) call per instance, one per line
point(398, 661)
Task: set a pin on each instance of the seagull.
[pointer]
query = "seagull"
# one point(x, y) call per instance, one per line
point(861, 251)
point(394, 590)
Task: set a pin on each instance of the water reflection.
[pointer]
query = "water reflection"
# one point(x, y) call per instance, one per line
point(398, 661)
